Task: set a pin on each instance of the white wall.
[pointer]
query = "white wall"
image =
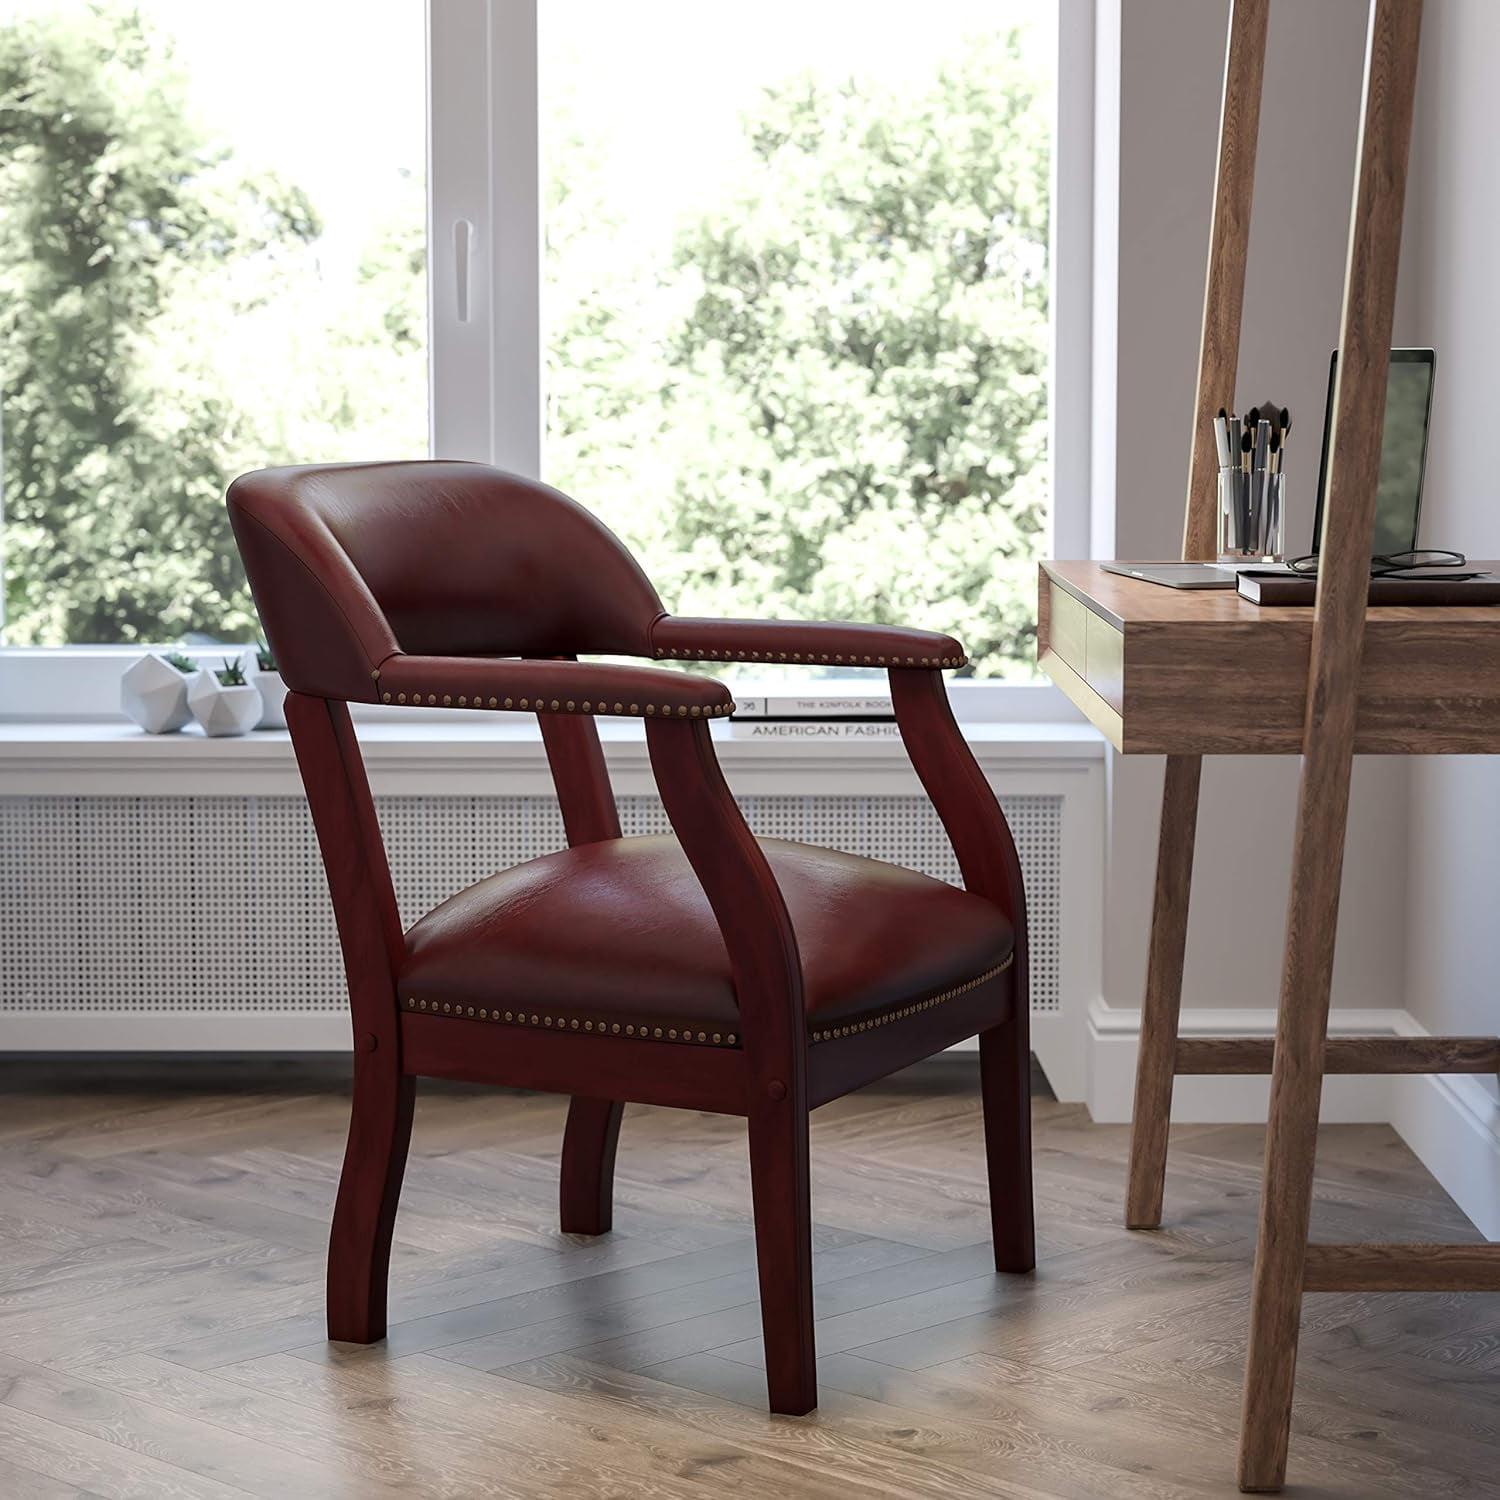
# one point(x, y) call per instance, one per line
point(1453, 942)
point(1160, 185)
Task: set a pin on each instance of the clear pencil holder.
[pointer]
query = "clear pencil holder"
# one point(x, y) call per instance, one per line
point(1252, 515)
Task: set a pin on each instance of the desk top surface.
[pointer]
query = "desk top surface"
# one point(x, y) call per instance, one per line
point(1205, 672)
point(1132, 601)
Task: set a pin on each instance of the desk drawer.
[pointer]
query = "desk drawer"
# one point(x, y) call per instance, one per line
point(1104, 660)
point(1068, 628)
point(1087, 643)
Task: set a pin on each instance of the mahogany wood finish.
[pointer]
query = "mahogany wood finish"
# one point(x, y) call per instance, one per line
point(768, 984)
point(1228, 243)
point(990, 865)
point(341, 578)
point(364, 1215)
point(587, 1174)
point(592, 1132)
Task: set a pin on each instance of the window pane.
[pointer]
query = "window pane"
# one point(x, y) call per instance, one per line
point(796, 303)
point(212, 258)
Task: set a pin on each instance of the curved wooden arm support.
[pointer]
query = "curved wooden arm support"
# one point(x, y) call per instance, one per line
point(549, 686)
point(746, 901)
point(991, 867)
point(804, 642)
point(767, 969)
point(950, 775)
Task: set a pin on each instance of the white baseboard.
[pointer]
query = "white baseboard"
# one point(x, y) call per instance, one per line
point(175, 1031)
point(1450, 1122)
point(1221, 1100)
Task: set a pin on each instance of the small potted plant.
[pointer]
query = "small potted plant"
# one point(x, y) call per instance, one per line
point(266, 676)
point(223, 701)
point(154, 691)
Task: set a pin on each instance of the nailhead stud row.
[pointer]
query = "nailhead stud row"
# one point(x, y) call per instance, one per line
point(834, 1032)
point(687, 1033)
point(812, 658)
point(565, 705)
point(566, 1023)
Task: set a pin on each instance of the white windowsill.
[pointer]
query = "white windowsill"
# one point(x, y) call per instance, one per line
point(477, 754)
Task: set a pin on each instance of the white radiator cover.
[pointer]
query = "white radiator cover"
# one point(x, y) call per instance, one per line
point(170, 904)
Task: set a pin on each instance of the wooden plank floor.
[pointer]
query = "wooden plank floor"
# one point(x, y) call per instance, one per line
point(161, 1260)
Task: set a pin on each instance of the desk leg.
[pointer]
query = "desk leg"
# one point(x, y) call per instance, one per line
point(1163, 999)
point(1292, 1130)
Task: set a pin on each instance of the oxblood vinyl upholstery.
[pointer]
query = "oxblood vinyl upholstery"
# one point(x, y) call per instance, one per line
point(705, 969)
point(619, 936)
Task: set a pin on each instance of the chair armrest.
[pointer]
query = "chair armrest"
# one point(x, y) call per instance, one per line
point(549, 687)
point(818, 642)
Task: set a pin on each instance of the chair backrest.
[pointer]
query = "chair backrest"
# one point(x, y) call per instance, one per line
point(351, 564)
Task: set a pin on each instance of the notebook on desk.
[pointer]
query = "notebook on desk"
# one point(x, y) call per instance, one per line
point(1281, 587)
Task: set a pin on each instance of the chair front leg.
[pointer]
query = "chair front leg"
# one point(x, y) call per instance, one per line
point(752, 918)
point(1005, 1086)
point(986, 854)
point(588, 1165)
point(364, 1214)
point(780, 1190)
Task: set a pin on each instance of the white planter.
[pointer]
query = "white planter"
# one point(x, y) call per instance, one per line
point(154, 694)
point(224, 710)
point(272, 696)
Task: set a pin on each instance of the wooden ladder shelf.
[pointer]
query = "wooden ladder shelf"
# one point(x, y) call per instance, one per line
point(1286, 1265)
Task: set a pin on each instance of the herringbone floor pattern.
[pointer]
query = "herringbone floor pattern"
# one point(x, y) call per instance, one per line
point(161, 1262)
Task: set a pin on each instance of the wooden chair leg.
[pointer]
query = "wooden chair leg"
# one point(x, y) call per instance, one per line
point(1005, 1087)
point(587, 1178)
point(1162, 1006)
point(364, 1214)
point(780, 1190)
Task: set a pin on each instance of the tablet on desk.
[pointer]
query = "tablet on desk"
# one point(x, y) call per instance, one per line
point(1189, 575)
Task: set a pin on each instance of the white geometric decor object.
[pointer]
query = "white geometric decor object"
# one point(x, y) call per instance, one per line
point(155, 695)
point(224, 710)
point(272, 695)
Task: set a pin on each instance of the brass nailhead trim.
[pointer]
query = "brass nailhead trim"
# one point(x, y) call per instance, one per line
point(703, 1038)
point(588, 706)
point(571, 1023)
point(687, 653)
point(875, 1022)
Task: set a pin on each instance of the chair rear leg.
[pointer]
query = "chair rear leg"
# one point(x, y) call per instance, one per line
point(364, 1214)
point(780, 1191)
point(1005, 1086)
point(587, 1178)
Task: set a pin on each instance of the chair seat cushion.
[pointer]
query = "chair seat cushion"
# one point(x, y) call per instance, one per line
point(619, 937)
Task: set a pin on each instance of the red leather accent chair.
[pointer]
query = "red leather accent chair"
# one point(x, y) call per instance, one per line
point(710, 970)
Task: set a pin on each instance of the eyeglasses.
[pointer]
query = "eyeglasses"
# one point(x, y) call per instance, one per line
point(1393, 564)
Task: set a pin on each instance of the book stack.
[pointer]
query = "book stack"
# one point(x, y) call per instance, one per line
point(813, 716)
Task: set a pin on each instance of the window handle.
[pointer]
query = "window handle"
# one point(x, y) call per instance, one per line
point(463, 251)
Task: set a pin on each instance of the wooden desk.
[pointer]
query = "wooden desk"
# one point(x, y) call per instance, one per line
point(1203, 672)
point(1187, 673)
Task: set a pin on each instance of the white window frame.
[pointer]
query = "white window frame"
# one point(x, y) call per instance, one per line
point(484, 306)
